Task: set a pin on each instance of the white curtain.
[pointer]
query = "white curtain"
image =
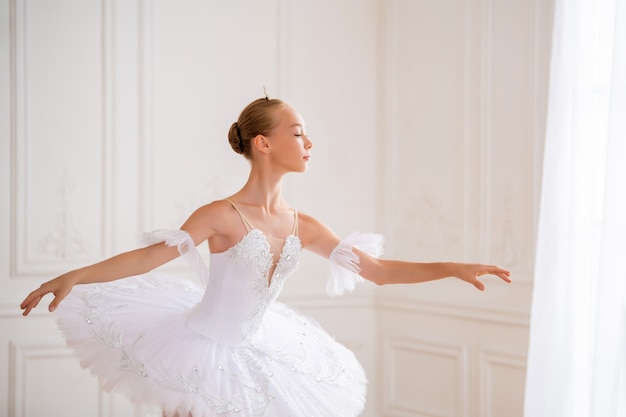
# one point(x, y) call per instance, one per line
point(577, 353)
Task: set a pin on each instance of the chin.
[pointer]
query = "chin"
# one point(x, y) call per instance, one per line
point(302, 168)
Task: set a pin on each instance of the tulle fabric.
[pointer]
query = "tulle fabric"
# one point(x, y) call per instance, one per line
point(135, 336)
point(153, 357)
point(344, 263)
point(186, 247)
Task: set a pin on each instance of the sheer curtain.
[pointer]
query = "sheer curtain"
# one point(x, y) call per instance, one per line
point(577, 354)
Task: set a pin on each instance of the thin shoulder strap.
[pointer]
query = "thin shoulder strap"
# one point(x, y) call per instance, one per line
point(295, 223)
point(245, 221)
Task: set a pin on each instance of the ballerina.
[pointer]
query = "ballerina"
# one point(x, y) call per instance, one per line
point(227, 347)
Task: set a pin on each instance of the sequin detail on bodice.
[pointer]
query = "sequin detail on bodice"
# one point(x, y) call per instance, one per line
point(241, 288)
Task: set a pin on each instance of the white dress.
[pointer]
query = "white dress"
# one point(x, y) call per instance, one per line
point(229, 349)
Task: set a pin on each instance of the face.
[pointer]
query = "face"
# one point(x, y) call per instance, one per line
point(289, 146)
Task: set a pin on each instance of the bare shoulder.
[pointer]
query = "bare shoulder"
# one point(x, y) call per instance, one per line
point(309, 225)
point(215, 218)
point(214, 208)
point(315, 235)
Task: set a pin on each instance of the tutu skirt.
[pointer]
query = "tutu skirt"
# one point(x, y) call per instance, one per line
point(134, 335)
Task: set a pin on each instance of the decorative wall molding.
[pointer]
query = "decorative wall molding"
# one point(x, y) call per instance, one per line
point(20, 355)
point(23, 354)
point(451, 403)
point(542, 45)
point(433, 224)
point(63, 240)
point(17, 124)
point(452, 223)
point(389, 129)
point(506, 253)
point(460, 312)
point(11, 310)
point(508, 238)
point(109, 122)
point(324, 302)
point(486, 132)
point(489, 361)
point(146, 113)
point(490, 315)
point(18, 133)
point(63, 244)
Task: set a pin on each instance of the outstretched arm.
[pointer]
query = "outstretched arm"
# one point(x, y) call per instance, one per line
point(320, 239)
point(382, 271)
point(125, 264)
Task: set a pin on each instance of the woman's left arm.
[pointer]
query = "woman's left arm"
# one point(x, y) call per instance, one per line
point(383, 271)
point(320, 239)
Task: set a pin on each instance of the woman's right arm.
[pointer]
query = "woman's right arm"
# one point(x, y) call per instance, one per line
point(135, 262)
point(125, 264)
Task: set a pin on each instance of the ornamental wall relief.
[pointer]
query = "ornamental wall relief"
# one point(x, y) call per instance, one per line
point(64, 240)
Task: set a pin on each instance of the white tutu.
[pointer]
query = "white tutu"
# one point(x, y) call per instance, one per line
point(225, 350)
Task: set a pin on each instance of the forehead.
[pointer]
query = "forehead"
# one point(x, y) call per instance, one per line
point(287, 116)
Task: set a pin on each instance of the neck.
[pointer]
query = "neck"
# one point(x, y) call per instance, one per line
point(263, 189)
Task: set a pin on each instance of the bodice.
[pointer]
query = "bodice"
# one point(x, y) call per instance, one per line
point(241, 288)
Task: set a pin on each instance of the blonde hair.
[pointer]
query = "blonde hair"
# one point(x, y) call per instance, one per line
point(255, 119)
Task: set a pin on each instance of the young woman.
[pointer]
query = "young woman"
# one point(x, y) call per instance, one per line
point(230, 349)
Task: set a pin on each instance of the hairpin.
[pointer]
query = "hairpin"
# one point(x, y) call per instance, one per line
point(265, 92)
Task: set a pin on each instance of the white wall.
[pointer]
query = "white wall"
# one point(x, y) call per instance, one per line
point(463, 116)
point(427, 121)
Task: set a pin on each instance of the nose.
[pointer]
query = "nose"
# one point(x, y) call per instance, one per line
point(308, 144)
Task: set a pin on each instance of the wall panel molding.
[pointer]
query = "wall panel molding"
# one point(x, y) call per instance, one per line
point(18, 123)
point(486, 132)
point(25, 355)
point(500, 316)
point(146, 114)
point(437, 395)
point(542, 46)
point(513, 94)
point(323, 302)
point(501, 381)
point(389, 98)
point(436, 224)
point(10, 310)
point(109, 121)
point(63, 245)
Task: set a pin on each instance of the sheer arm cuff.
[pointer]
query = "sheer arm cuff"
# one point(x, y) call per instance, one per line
point(185, 245)
point(344, 263)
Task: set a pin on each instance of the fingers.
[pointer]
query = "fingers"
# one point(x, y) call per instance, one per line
point(58, 297)
point(494, 270)
point(481, 270)
point(478, 284)
point(505, 277)
point(33, 299)
point(503, 274)
point(28, 306)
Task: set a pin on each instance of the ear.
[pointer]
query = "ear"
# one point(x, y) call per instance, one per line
point(261, 144)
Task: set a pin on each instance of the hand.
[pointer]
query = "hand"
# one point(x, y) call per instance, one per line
point(60, 287)
point(471, 272)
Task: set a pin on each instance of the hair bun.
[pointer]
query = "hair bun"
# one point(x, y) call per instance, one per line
point(234, 138)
